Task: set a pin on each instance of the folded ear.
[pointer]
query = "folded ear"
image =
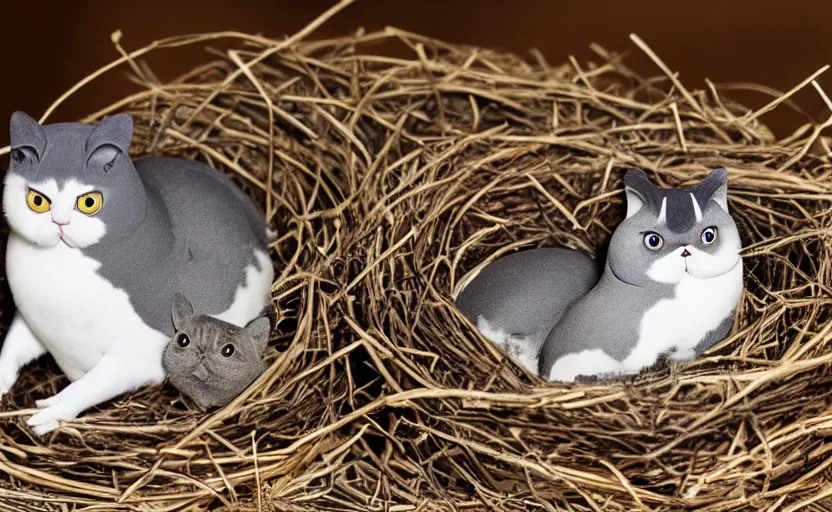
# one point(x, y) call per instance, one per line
point(26, 132)
point(111, 137)
point(181, 311)
point(259, 330)
point(640, 191)
point(713, 188)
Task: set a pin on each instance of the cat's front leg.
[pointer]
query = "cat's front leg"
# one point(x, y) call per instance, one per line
point(19, 348)
point(52, 400)
point(644, 354)
point(112, 376)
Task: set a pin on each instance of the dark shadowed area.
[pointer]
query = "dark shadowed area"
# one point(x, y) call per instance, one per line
point(770, 42)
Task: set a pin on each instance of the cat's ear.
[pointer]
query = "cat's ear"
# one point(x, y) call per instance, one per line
point(26, 134)
point(109, 139)
point(713, 188)
point(639, 191)
point(259, 331)
point(181, 311)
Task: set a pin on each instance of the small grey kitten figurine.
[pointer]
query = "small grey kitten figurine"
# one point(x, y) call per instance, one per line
point(671, 282)
point(211, 361)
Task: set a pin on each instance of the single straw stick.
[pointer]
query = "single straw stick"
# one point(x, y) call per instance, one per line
point(788, 94)
point(650, 53)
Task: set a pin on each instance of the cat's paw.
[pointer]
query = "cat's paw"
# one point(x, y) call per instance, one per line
point(56, 398)
point(48, 419)
point(47, 402)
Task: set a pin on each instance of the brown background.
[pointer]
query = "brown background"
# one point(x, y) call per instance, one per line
point(776, 43)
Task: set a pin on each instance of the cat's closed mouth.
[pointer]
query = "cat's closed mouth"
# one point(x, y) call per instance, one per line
point(200, 372)
point(68, 241)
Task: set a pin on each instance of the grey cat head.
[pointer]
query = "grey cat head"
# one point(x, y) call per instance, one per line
point(671, 233)
point(72, 183)
point(211, 361)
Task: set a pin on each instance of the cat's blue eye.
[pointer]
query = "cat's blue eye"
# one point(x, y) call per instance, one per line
point(653, 241)
point(709, 235)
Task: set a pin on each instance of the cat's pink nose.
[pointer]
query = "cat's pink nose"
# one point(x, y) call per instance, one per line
point(56, 221)
point(685, 253)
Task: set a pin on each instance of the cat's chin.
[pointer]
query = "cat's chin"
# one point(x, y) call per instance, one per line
point(692, 271)
point(68, 241)
point(52, 242)
point(43, 242)
point(712, 272)
point(673, 268)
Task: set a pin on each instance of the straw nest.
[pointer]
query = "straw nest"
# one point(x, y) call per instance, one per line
point(390, 179)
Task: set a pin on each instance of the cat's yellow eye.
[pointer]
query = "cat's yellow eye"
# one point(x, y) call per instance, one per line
point(37, 202)
point(90, 203)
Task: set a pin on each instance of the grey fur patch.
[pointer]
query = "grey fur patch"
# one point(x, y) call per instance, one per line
point(608, 317)
point(684, 214)
point(525, 293)
point(198, 236)
point(26, 132)
point(636, 180)
point(714, 187)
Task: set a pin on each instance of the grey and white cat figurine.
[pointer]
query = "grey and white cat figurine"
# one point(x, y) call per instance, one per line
point(671, 282)
point(211, 361)
point(98, 246)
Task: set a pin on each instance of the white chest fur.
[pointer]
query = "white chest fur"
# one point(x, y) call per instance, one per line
point(698, 307)
point(77, 315)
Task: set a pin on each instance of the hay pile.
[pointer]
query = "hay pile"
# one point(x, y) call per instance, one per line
point(390, 178)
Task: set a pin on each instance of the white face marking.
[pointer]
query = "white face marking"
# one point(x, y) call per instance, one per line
point(663, 212)
point(522, 350)
point(672, 268)
point(669, 269)
point(696, 210)
point(63, 223)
